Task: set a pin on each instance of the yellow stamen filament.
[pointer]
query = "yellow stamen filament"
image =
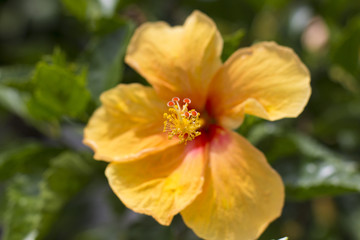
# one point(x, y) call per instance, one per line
point(181, 122)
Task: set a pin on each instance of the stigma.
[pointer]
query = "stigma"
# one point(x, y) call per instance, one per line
point(180, 121)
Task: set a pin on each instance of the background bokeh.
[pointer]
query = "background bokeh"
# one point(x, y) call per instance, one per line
point(58, 56)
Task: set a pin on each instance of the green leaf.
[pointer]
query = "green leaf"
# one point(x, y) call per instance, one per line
point(59, 90)
point(322, 172)
point(12, 79)
point(33, 203)
point(14, 101)
point(66, 176)
point(24, 157)
point(345, 51)
point(17, 101)
point(249, 122)
point(352, 220)
point(77, 8)
point(106, 59)
point(91, 10)
point(15, 74)
point(21, 214)
point(309, 169)
point(232, 43)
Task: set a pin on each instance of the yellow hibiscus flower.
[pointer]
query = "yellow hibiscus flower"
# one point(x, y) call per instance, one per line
point(221, 185)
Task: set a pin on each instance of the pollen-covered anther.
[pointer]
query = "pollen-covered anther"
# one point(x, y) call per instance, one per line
point(181, 122)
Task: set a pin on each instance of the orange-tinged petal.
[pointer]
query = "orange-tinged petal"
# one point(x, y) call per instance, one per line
point(178, 61)
point(265, 80)
point(161, 184)
point(242, 194)
point(128, 125)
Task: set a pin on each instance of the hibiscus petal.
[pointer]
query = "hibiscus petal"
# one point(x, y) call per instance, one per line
point(242, 194)
point(128, 125)
point(266, 80)
point(178, 61)
point(161, 184)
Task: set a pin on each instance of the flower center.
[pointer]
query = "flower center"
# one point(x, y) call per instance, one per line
point(181, 122)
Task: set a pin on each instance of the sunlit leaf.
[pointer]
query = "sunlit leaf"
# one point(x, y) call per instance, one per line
point(58, 90)
point(77, 8)
point(91, 10)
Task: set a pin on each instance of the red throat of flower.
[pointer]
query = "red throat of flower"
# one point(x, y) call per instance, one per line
point(182, 122)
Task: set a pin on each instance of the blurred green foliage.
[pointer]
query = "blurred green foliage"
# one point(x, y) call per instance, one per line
point(57, 90)
point(58, 56)
point(34, 202)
